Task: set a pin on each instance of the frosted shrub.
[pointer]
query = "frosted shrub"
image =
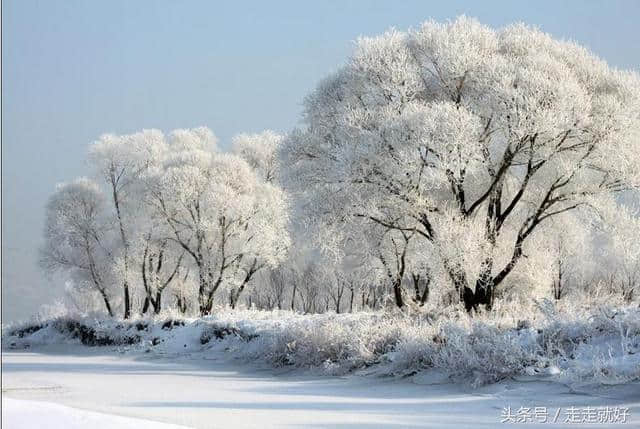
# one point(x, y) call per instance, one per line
point(340, 343)
point(570, 343)
point(415, 349)
point(484, 352)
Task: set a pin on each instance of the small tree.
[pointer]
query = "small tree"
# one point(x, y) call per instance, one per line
point(570, 253)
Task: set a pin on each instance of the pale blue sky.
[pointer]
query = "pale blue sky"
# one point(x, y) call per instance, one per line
point(73, 70)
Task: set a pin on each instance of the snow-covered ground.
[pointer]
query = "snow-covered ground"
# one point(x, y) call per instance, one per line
point(24, 414)
point(214, 391)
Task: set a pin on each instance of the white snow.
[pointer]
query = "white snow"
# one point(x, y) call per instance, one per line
point(214, 391)
point(22, 414)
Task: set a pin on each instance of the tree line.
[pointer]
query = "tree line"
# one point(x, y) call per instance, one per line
point(453, 162)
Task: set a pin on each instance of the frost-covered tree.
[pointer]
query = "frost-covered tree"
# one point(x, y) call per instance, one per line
point(79, 238)
point(277, 282)
point(310, 285)
point(229, 222)
point(466, 138)
point(172, 214)
point(620, 229)
point(566, 250)
point(260, 151)
point(120, 161)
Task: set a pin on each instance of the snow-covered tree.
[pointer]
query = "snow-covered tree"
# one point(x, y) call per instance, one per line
point(229, 221)
point(120, 161)
point(310, 288)
point(567, 252)
point(79, 238)
point(468, 140)
point(620, 229)
point(260, 151)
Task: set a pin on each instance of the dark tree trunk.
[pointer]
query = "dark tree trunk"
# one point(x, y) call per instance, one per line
point(205, 310)
point(421, 297)
point(293, 297)
point(397, 293)
point(107, 304)
point(157, 305)
point(557, 284)
point(425, 294)
point(145, 306)
point(236, 296)
point(127, 301)
point(181, 303)
point(483, 295)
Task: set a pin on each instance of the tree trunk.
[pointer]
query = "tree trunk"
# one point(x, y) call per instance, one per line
point(125, 245)
point(557, 284)
point(181, 303)
point(107, 303)
point(247, 278)
point(202, 304)
point(421, 297)
point(293, 297)
point(425, 294)
point(127, 301)
point(397, 293)
point(145, 306)
point(483, 295)
point(157, 305)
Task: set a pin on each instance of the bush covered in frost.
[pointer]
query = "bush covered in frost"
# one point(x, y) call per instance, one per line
point(566, 343)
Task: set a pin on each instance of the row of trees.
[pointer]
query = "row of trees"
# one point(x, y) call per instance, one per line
point(452, 162)
point(166, 210)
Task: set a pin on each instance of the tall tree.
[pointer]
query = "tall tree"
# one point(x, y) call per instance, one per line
point(468, 138)
point(120, 161)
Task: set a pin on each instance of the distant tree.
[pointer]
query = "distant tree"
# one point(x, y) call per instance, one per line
point(620, 228)
point(568, 248)
point(310, 288)
point(278, 286)
point(78, 237)
point(467, 139)
point(260, 151)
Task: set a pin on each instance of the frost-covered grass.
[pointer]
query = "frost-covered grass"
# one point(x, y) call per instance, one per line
point(565, 343)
